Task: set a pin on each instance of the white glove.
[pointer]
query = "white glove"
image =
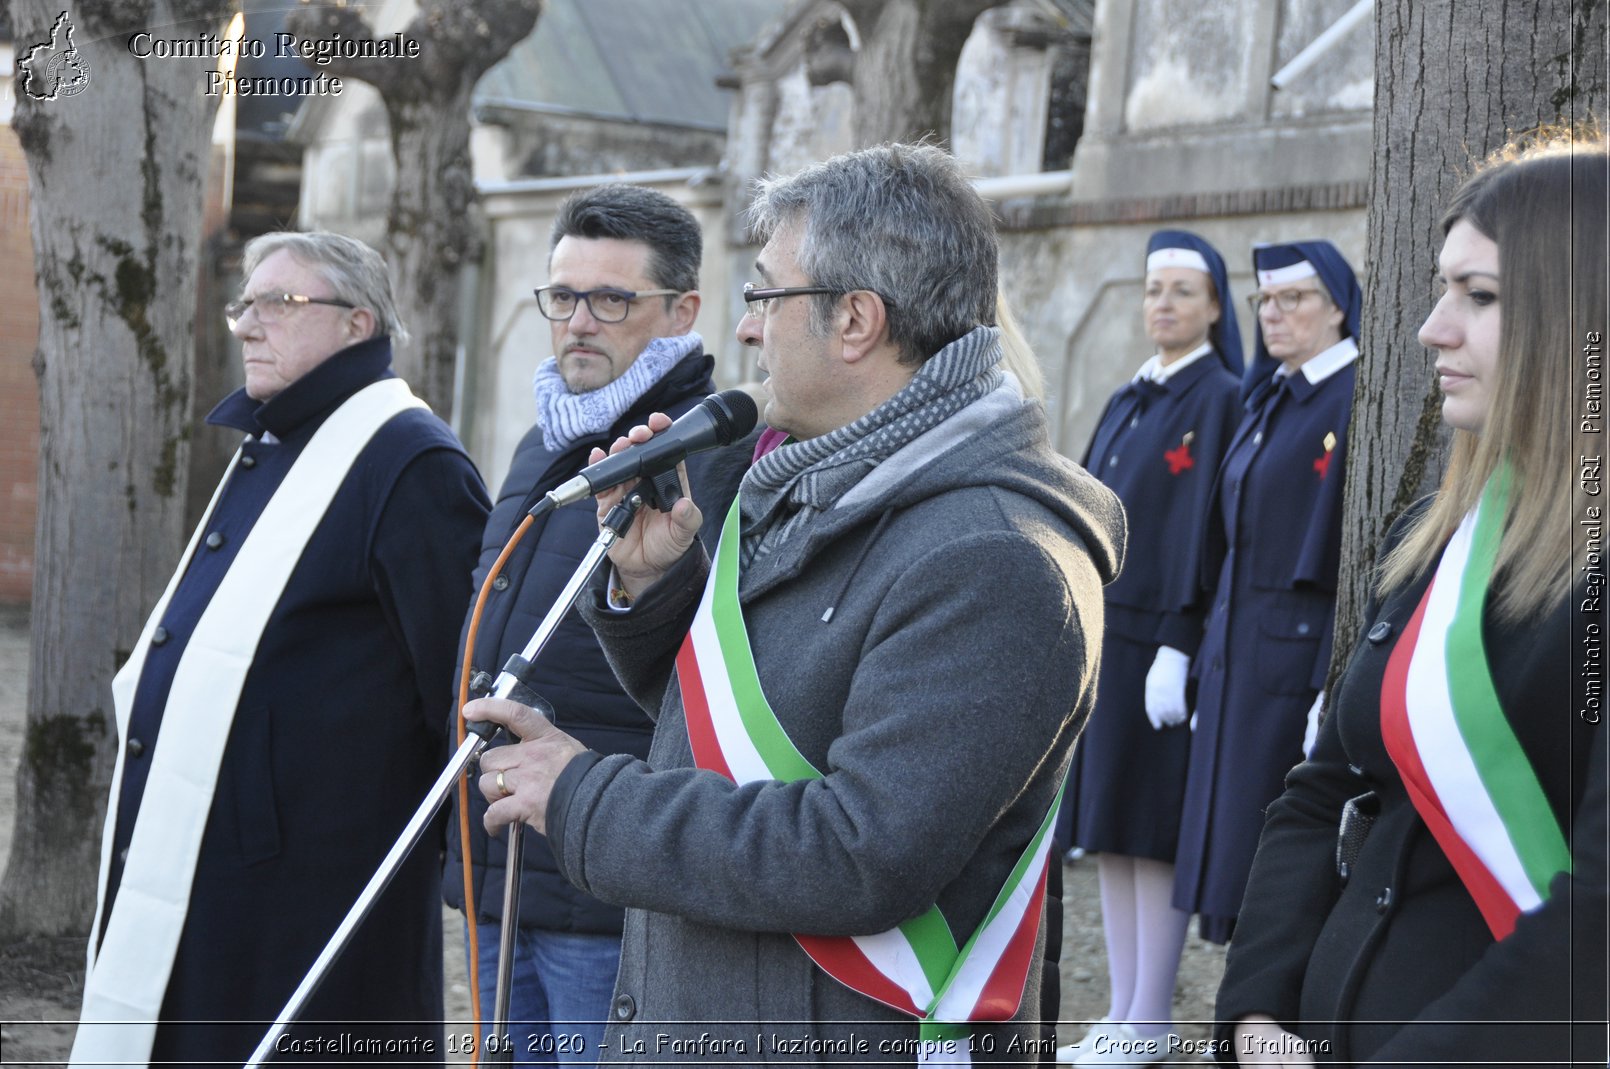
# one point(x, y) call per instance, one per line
point(1165, 688)
point(1311, 732)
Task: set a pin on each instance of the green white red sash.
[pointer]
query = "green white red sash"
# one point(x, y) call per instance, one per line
point(917, 967)
point(1464, 769)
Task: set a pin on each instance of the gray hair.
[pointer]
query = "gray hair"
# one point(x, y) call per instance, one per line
point(900, 220)
point(354, 271)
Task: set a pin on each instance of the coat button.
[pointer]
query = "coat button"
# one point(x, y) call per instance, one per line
point(1135, 422)
point(1257, 439)
point(1379, 633)
point(1113, 463)
point(1302, 629)
point(1383, 901)
point(123, 856)
point(624, 1007)
point(136, 747)
point(159, 636)
point(215, 540)
point(248, 461)
point(500, 583)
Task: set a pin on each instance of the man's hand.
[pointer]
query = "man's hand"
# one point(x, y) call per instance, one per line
point(656, 540)
point(1259, 1040)
point(529, 767)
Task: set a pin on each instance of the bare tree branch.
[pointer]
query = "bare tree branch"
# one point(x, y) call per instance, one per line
point(432, 229)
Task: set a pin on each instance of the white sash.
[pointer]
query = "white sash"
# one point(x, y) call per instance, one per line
point(125, 983)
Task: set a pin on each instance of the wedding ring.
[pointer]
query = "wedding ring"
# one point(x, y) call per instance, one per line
point(503, 788)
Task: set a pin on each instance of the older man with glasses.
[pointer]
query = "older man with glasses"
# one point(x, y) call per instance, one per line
point(280, 714)
point(621, 300)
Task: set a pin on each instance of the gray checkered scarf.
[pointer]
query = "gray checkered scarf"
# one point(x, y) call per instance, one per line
point(784, 489)
point(566, 418)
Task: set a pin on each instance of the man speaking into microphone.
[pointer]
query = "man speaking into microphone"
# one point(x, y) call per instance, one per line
point(867, 691)
point(621, 298)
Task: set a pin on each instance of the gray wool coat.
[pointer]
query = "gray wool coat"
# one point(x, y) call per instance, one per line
point(941, 699)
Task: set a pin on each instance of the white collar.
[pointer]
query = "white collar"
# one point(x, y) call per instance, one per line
point(1324, 364)
point(1155, 370)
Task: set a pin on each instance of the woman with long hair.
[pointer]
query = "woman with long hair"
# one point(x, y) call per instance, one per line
point(1431, 886)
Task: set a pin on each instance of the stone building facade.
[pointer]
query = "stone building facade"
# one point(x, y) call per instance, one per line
point(1090, 123)
point(1177, 126)
point(1180, 127)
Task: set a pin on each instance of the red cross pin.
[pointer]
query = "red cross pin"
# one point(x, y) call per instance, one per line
point(1179, 458)
point(1322, 465)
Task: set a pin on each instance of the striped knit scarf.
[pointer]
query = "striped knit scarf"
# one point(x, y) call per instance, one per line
point(794, 482)
point(566, 418)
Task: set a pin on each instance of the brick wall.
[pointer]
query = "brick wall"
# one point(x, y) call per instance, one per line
point(19, 390)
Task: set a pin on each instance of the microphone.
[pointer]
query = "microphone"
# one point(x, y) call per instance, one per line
point(720, 419)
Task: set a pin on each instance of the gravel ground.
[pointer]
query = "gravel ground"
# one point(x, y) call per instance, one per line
point(41, 980)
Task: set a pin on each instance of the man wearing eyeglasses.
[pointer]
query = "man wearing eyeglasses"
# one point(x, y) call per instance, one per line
point(837, 848)
point(621, 299)
point(280, 714)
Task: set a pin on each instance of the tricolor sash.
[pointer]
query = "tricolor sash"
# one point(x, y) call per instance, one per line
point(127, 979)
point(1459, 758)
point(916, 968)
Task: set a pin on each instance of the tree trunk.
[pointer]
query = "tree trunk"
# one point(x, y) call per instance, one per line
point(432, 228)
point(1450, 87)
point(116, 173)
point(905, 71)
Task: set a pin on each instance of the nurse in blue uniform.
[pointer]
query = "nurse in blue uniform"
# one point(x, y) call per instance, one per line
point(1276, 545)
point(1158, 446)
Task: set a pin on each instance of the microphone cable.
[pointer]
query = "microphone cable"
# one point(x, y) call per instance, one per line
point(470, 914)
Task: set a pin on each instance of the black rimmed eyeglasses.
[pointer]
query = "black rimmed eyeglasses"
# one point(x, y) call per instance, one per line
point(606, 304)
point(273, 307)
point(758, 299)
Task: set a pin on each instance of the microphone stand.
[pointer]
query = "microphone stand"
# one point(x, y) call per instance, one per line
point(510, 683)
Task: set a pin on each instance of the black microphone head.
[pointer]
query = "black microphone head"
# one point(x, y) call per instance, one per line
point(735, 414)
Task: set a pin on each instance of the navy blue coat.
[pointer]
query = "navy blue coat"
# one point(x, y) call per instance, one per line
point(1158, 446)
point(1275, 547)
point(337, 735)
point(1395, 964)
point(574, 677)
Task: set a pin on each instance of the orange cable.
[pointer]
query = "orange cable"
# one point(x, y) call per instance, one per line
point(464, 787)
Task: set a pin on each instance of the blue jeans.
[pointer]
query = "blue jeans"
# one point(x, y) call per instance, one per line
point(560, 995)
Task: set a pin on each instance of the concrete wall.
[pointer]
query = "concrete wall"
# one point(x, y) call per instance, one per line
point(1077, 291)
point(1183, 130)
point(1180, 100)
point(347, 170)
